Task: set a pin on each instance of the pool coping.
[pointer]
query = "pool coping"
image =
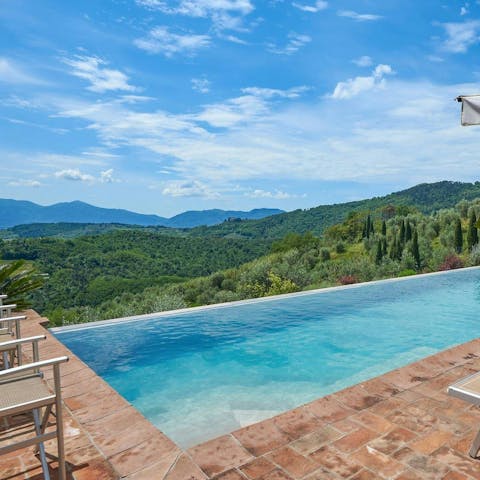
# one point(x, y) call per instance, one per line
point(185, 311)
point(280, 446)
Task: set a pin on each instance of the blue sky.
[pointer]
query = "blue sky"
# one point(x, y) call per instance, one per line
point(165, 106)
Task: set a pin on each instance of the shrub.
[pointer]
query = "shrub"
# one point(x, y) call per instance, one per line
point(474, 258)
point(407, 272)
point(228, 284)
point(340, 248)
point(408, 261)
point(325, 254)
point(348, 280)
point(451, 262)
point(279, 285)
point(217, 279)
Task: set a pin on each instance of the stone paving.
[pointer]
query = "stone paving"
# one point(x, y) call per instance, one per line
point(401, 425)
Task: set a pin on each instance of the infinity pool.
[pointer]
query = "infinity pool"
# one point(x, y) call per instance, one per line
point(205, 372)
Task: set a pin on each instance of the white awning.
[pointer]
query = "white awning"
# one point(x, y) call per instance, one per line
point(470, 109)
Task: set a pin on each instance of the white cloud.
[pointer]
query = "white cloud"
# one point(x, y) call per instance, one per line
point(199, 8)
point(161, 40)
point(101, 79)
point(461, 36)
point(316, 7)
point(464, 10)
point(233, 39)
point(244, 109)
point(25, 183)
point(18, 121)
point(201, 85)
point(277, 194)
point(364, 61)
point(74, 174)
point(359, 17)
point(99, 153)
point(357, 85)
point(233, 112)
point(191, 188)
point(10, 72)
point(106, 176)
point(225, 14)
point(295, 41)
point(294, 92)
point(392, 137)
point(19, 102)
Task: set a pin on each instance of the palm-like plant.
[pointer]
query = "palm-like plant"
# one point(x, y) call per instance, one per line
point(17, 279)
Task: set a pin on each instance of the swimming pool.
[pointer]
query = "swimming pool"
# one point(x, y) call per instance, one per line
point(205, 372)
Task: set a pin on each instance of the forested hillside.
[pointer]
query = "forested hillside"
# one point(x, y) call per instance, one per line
point(426, 198)
point(91, 269)
point(70, 230)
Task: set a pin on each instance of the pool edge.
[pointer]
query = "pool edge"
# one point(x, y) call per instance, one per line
point(184, 311)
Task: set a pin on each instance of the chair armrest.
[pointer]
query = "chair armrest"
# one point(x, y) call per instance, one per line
point(32, 366)
point(11, 305)
point(20, 341)
point(13, 319)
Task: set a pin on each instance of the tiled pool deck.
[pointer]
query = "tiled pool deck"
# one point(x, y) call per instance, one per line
point(401, 425)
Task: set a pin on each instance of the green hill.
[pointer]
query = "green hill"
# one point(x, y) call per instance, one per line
point(90, 269)
point(68, 230)
point(426, 197)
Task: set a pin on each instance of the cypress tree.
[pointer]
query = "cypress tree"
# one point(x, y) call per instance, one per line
point(399, 249)
point(402, 232)
point(379, 255)
point(384, 246)
point(393, 246)
point(415, 249)
point(458, 236)
point(472, 232)
point(384, 228)
point(408, 232)
point(367, 227)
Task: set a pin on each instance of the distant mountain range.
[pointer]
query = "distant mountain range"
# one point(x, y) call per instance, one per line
point(21, 212)
point(78, 218)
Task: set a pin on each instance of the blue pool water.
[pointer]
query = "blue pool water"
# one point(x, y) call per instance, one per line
point(204, 373)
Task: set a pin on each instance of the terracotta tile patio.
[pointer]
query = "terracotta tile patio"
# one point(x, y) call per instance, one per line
point(401, 425)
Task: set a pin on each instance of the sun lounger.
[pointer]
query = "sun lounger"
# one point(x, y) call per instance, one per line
point(468, 389)
point(28, 394)
point(9, 348)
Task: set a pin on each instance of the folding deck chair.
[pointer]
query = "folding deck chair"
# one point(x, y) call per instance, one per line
point(6, 310)
point(9, 350)
point(468, 389)
point(9, 329)
point(23, 391)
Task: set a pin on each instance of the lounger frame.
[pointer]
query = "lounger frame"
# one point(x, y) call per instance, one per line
point(459, 391)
